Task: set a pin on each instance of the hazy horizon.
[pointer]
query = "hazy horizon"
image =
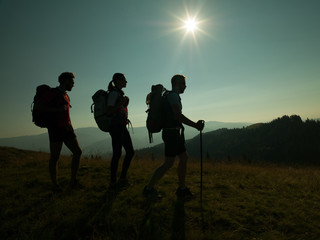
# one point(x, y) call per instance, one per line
point(206, 129)
point(246, 61)
point(44, 130)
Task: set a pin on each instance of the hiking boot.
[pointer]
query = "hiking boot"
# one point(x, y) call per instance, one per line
point(151, 193)
point(184, 193)
point(123, 183)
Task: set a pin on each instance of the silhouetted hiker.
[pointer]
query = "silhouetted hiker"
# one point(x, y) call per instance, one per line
point(173, 137)
point(117, 108)
point(57, 103)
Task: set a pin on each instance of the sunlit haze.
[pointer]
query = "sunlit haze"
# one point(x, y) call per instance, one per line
point(245, 61)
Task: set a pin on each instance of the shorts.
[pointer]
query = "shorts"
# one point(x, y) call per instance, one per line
point(61, 134)
point(174, 142)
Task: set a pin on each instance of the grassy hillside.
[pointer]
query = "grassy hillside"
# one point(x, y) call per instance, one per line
point(239, 202)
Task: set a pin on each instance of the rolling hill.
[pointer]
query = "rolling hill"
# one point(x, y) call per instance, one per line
point(95, 142)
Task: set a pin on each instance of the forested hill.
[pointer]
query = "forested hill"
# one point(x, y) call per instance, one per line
point(286, 140)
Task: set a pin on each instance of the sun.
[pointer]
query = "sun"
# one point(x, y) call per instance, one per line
point(190, 25)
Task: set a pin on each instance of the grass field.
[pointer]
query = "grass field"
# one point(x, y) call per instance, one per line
point(239, 202)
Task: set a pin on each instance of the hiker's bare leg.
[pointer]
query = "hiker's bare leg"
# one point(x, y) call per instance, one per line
point(160, 171)
point(55, 149)
point(74, 147)
point(182, 169)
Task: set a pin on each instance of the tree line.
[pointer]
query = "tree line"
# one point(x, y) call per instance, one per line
point(285, 140)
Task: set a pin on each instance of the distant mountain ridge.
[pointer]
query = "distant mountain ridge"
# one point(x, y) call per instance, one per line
point(95, 142)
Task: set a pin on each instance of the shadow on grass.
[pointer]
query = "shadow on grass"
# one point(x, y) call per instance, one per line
point(151, 224)
point(178, 222)
point(149, 228)
point(99, 223)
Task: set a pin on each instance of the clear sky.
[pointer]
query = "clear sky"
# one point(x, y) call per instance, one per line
point(248, 60)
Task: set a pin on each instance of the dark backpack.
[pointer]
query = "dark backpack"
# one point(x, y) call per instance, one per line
point(155, 101)
point(40, 118)
point(99, 110)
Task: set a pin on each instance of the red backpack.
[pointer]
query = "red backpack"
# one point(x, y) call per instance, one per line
point(40, 118)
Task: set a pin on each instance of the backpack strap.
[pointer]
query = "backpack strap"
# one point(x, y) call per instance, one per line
point(129, 123)
point(150, 137)
point(59, 94)
point(119, 94)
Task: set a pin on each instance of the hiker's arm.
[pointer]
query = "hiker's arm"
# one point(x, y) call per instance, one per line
point(183, 119)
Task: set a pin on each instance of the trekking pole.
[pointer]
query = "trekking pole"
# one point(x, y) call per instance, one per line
point(201, 167)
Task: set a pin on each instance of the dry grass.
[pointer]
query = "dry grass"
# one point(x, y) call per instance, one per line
point(239, 202)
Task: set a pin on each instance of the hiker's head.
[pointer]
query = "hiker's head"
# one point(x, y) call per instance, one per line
point(118, 80)
point(66, 80)
point(178, 83)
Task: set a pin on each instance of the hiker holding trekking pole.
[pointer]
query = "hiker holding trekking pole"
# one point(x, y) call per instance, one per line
point(174, 140)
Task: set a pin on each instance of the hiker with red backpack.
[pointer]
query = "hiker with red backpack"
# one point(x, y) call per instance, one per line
point(52, 110)
point(117, 111)
point(173, 137)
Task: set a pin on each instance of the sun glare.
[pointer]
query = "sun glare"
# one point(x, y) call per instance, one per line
point(190, 25)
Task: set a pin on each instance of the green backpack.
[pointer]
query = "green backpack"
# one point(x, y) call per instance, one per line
point(99, 110)
point(155, 101)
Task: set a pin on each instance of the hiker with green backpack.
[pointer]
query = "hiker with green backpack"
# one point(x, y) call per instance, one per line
point(118, 114)
point(172, 121)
